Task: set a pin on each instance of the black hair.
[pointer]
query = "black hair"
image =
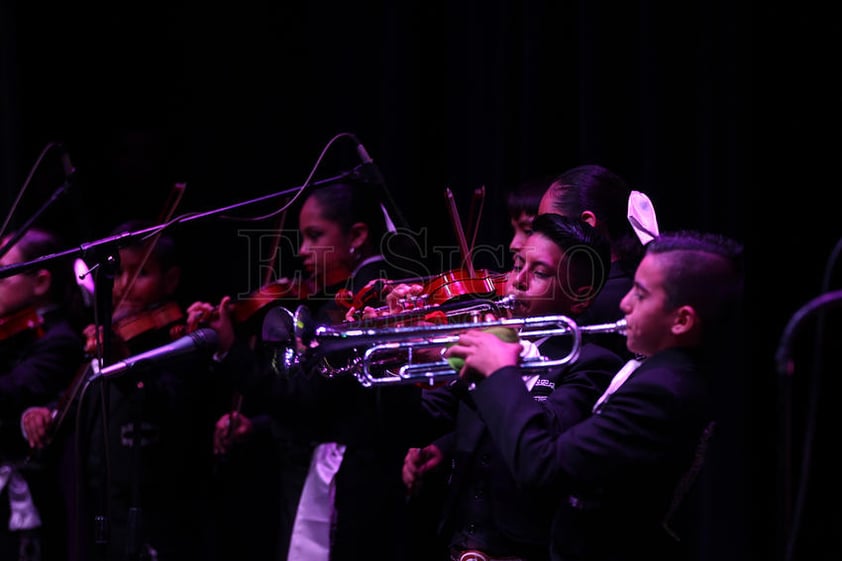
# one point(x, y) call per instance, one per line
point(526, 198)
point(703, 270)
point(64, 290)
point(347, 203)
point(598, 189)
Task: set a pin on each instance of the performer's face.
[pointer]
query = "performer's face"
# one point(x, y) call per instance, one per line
point(538, 279)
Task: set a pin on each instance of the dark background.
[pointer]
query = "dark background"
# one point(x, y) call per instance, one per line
point(239, 100)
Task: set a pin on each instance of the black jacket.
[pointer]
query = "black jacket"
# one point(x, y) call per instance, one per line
point(617, 475)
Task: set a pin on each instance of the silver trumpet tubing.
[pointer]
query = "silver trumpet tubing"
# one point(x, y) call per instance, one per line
point(386, 355)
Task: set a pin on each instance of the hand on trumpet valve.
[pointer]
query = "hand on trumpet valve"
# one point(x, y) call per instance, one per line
point(479, 353)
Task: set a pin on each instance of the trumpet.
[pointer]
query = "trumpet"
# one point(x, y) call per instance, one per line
point(371, 352)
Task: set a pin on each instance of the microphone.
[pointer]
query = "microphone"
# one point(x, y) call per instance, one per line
point(205, 339)
point(66, 164)
point(368, 170)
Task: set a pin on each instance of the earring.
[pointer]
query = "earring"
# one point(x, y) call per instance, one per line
point(351, 251)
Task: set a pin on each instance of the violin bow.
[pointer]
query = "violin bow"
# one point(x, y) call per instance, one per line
point(237, 398)
point(276, 242)
point(460, 233)
point(475, 213)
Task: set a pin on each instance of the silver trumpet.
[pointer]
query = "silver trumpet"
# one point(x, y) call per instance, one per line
point(379, 356)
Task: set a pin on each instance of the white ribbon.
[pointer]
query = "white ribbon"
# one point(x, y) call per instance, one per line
point(642, 217)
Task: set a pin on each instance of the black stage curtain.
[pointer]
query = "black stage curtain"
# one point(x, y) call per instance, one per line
point(239, 100)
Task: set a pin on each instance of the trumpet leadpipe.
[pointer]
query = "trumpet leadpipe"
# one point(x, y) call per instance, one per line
point(618, 327)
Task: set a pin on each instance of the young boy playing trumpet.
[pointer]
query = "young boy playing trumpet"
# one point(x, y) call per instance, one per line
point(619, 476)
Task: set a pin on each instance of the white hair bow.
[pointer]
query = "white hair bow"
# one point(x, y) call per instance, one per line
point(642, 217)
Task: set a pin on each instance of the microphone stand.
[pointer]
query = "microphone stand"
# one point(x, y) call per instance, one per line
point(106, 265)
point(61, 190)
point(109, 243)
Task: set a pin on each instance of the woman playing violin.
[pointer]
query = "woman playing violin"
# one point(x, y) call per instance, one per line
point(154, 416)
point(342, 231)
point(40, 348)
point(343, 428)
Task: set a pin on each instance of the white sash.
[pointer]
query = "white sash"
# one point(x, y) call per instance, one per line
point(24, 514)
point(310, 539)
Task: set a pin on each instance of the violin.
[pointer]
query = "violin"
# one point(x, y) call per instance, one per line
point(245, 308)
point(132, 326)
point(437, 289)
point(155, 318)
point(24, 320)
point(440, 295)
point(501, 284)
point(280, 289)
point(458, 283)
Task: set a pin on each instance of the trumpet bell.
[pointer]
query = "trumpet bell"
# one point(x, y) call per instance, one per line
point(278, 336)
point(304, 326)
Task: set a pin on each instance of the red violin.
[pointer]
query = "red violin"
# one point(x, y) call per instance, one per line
point(282, 289)
point(24, 320)
point(437, 289)
point(155, 318)
point(460, 282)
point(440, 295)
